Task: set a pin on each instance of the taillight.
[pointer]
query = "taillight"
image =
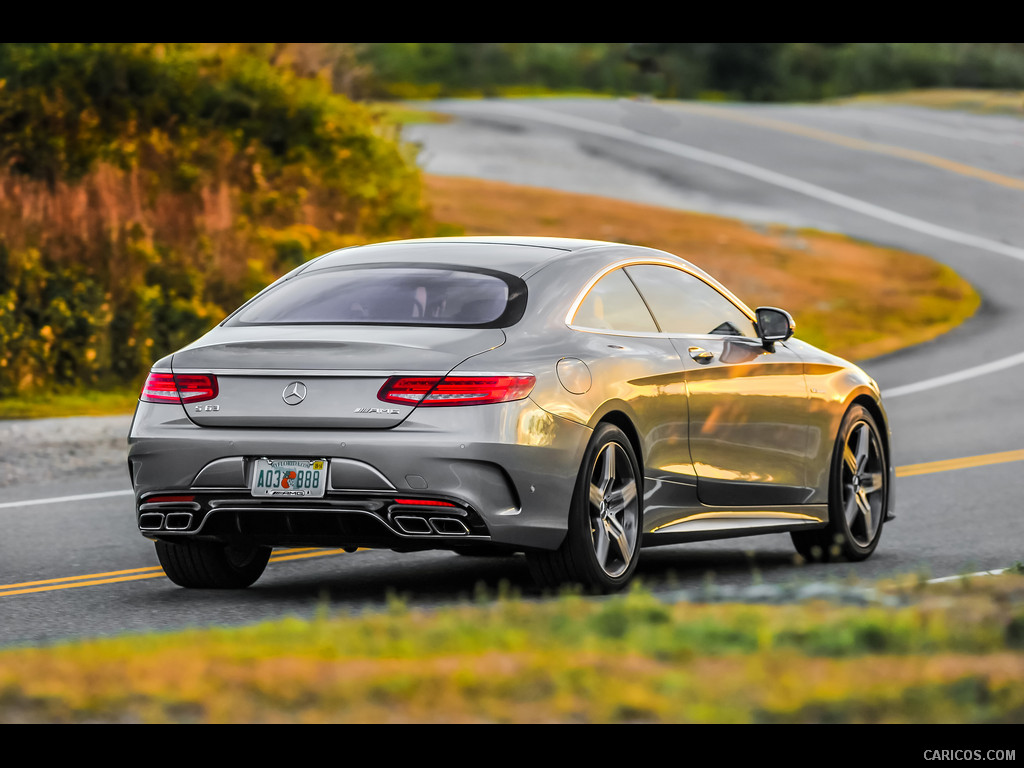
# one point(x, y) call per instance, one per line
point(179, 388)
point(455, 390)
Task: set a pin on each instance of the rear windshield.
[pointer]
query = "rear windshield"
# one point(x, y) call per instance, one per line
point(390, 295)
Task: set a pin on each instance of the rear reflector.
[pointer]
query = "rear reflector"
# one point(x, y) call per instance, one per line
point(424, 503)
point(455, 390)
point(178, 388)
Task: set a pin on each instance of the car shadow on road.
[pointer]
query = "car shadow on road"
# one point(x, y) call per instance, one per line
point(370, 580)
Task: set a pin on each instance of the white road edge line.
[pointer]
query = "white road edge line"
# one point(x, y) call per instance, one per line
point(967, 576)
point(60, 499)
point(763, 174)
point(953, 378)
point(810, 190)
point(756, 172)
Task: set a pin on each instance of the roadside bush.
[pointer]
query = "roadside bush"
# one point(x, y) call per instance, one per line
point(736, 71)
point(147, 189)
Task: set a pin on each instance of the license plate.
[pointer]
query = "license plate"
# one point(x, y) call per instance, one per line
point(289, 477)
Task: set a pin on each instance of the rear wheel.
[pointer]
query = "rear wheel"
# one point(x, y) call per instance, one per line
point(858, 494)
point(212, 565)
point(601, 547)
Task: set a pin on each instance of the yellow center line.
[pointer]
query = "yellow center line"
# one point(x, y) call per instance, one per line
point(134, 574)
point(8, 593)
point(137, 574)
point(111, 574)
point(859, 144)
point(303, 556)
point(948, 465)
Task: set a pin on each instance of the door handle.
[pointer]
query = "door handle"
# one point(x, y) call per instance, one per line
point(701, 355)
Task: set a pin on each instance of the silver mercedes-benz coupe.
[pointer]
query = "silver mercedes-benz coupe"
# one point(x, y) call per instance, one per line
point(572, 400)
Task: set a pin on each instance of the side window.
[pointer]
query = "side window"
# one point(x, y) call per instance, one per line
point(614, 305)
point(684, 304)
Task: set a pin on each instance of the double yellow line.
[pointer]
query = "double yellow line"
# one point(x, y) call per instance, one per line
point(849, 142)
point(135, 574)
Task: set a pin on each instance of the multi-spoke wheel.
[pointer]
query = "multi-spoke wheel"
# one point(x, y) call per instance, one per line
point(601, 547)
point(858, 494)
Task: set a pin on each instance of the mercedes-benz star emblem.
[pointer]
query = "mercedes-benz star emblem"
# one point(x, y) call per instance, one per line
point(294, 393)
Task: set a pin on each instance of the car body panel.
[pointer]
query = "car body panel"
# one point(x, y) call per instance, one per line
point(738, 443)
point(341, 367)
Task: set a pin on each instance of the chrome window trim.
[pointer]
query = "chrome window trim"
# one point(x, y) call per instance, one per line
point(582, 296)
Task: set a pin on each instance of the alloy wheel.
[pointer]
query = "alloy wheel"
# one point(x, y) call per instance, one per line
point(863, 483)
point(614, 510)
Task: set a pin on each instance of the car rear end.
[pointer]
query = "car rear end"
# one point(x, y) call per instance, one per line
point(352, 406)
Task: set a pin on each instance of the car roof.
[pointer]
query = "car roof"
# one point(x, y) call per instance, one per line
point(514, 255)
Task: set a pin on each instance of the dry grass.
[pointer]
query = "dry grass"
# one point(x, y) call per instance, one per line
point(853, 299)
point(962, 99)
point(954, 656)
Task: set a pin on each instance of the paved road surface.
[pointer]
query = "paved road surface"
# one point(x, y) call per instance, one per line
point(944, 184)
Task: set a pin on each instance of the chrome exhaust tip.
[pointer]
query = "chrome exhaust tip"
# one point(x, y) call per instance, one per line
point(151, 521)
point(178, 521)
point(449, 526)
point(414, 526)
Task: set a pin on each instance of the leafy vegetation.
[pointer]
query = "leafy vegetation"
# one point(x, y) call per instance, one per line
point(949, 654)
point(146, 190)
point(910, 298)
point(741, 71)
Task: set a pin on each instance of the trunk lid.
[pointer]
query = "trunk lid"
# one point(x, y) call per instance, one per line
point(324, 377)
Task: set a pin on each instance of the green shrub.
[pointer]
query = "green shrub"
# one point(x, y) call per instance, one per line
point(148, 189)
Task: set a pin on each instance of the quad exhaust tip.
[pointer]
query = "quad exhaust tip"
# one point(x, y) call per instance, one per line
point(449, 526)
point(419, 526)
point(158, 521)
point(415, 526)
point(151, 521)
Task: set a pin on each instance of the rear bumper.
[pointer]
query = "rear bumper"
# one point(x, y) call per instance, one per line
point(508, 470)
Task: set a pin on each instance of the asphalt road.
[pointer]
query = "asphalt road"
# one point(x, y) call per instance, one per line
point(944, 184)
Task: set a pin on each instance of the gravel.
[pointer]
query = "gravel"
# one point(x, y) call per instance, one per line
point(43, 450)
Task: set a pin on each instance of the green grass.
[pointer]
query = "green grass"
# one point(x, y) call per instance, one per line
point(949, 653)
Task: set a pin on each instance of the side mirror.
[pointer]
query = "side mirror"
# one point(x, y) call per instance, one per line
point(774, 325)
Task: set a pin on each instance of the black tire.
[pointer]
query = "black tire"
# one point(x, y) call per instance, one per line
point(212, 565)
point(858, 496)
point(602, 544)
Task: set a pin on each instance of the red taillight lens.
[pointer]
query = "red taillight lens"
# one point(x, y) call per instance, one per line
point(455, 390)
point(179, 388)
point(409, 390)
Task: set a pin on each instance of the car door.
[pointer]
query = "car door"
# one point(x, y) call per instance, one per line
point(748, 420)
point(634, 364)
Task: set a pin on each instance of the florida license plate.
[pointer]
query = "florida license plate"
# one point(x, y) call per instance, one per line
point(289, 477)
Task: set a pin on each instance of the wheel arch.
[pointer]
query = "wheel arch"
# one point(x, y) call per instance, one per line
point(877, 412)
point(622, 421)
point(879, 416)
